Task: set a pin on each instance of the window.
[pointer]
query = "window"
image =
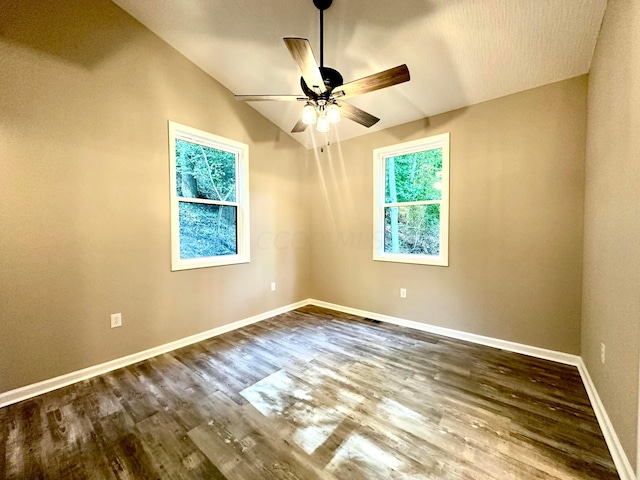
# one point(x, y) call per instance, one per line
point(209, 199)
point(411, 202)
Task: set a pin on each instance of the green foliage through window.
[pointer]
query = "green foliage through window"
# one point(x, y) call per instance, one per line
point(416, 231)
point(204, 172)
point(207, 230)
point(413, 177)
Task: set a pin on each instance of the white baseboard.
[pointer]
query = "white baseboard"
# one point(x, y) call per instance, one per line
point(615, 448)
point(537, 352)
point(33, 390)
point(617, 453)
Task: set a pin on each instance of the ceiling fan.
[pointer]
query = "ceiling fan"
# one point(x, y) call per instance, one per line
point(323, 87)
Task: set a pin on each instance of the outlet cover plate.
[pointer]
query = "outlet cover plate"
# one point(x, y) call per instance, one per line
point(116, 320)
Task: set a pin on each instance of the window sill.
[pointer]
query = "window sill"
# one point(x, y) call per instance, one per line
point(439, 261)
point(186, 264)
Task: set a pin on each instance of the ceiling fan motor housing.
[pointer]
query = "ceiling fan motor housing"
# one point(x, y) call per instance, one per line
point(332, 79)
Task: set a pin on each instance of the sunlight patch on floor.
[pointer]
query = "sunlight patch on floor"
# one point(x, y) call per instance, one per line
point(313, 416)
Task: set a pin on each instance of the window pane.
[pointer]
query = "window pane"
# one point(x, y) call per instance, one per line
point(413, 229)
point(205, 172)
point(207, 230)
point(414, 177)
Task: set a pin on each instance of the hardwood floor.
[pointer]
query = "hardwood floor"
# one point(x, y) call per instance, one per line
point(314, 394)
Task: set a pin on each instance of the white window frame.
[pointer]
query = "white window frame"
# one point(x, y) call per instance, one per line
point(379, 157)
point(241, 152)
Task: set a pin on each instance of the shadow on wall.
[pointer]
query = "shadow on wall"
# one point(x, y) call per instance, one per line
point(66, 29)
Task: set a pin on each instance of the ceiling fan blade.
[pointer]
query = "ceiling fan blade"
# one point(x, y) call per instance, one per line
point(379, 80)
point(300, 50)
point(299, 126)
point(278, 98)
point(359, 116)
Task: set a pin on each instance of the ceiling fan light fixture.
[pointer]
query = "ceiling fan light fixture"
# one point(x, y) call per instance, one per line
point(309, 115)
point(333, 113)
point(323, 125)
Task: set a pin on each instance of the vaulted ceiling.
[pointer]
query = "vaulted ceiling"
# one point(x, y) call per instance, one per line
point(459, 52)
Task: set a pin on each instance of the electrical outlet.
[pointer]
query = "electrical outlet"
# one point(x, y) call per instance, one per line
point(602, 352)
point(116, 320)
point(403, 293)
point(273, 286)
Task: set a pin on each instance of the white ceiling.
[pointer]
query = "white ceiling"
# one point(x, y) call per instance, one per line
point(459, 52)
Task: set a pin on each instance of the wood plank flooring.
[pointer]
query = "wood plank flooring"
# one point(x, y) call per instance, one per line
point(314, 394)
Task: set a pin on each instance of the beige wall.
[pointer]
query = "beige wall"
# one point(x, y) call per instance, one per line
point(611, 292)
point(516, 222)
point(85, 95)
